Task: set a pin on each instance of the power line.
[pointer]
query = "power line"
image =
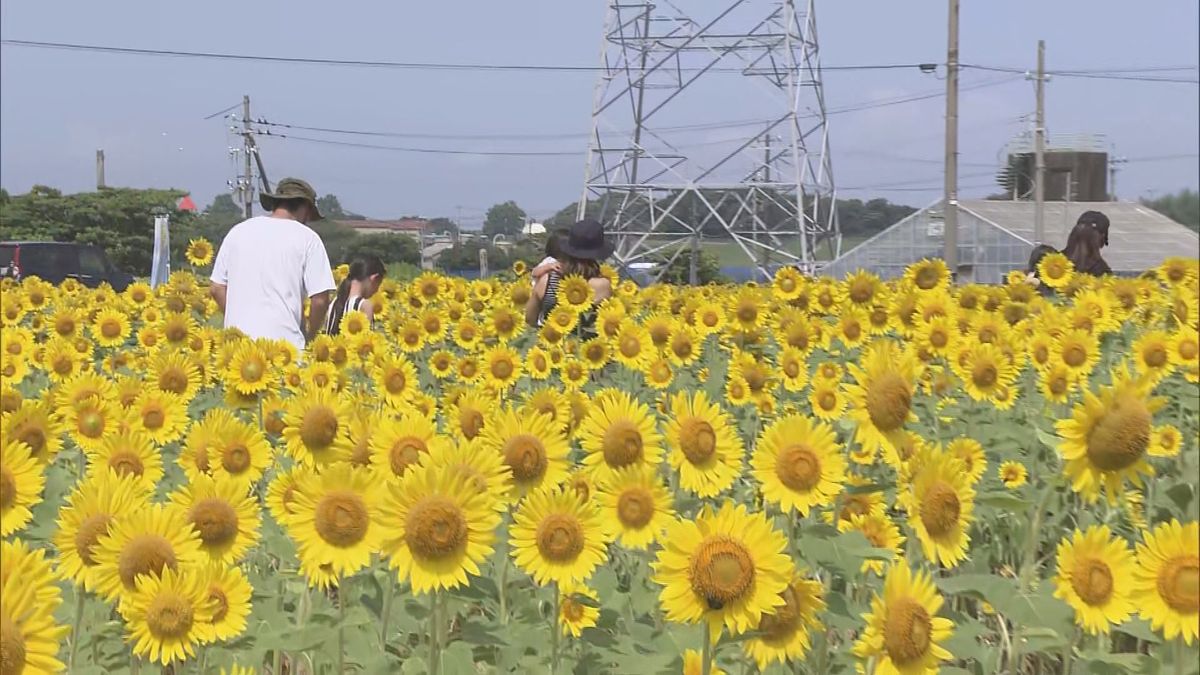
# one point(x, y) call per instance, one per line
point(405, 65)
point(427, 151)
point(1095, 75)
point(1161, 158)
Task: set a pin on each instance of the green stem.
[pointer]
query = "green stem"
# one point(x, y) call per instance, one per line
point(79, 598)
point(135, 664)
point(435, 655)
point(503, 590)
point(389, 591)
point(706, 656)
point(1179, 654)
point(343, 598)
point(554, 632)
point(1069, 653)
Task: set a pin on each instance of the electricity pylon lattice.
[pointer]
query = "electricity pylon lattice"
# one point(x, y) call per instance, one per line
point(758, 174)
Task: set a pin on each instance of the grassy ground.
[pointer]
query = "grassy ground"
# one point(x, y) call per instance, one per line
point(731, 255)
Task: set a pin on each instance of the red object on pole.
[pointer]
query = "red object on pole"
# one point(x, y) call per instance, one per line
point(186, 204)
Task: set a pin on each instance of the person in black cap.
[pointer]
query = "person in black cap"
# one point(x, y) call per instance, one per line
point(1089, 235)
point(582, 250)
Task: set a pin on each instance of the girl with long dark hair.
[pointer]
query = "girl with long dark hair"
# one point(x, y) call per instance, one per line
point(582, 250)
point(1089, 235)
point(355, 291)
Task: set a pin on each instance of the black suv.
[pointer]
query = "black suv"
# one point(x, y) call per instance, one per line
point(56, 261)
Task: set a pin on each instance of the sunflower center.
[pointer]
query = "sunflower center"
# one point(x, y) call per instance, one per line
point(1092, 580)
point(395, 382)
point(1179, 583)
point(783, 622)
point(560, 537)
point(940, 509)
point(907, 632)
point(1156, 356)
point(471, 422)
point(319, 427)
point(144, 554)
point(169, 616)
point(126, 463)
point(681, 346)
point(216, 521)
point(153, 418)
point(110, 328)
point(219, 602)
point(1075, 356)
point(8, 488)
point(747, 313)
point(63, 364)
point(888, 401)
point(852, 330)
point(435, 528)
point(1058, 385)
point(697, 440)
point(721, 571)
point(572, 611)
point(799, 468)
point(235, 458)
point(90, 531)
point(827, 400)
point(984, 374)
point(1121, 436)
point(630, 346)
point(526, 456)
point(1188, 349)
point(405, 452)
point(622, 444)
point(12, 647)
point(342, 518)
point(174, 381)
point(787, 284)
point(927, 277)
point(792, 369)
point(502, 369)
point(635, 507)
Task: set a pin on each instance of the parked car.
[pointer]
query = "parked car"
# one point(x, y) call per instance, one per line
point(57, 261)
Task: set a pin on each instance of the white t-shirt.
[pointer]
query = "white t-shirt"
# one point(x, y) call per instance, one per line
point(270, 266)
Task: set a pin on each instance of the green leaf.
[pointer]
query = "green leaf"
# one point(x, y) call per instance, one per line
point(1035, 640)
point(1048, 439)
point(1008, 501)
point(1102, 663)
point(414, 665)
point(1140, 629)
point(458, 659)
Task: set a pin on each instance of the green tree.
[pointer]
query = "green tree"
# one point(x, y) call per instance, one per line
point(465, 257)
point(679, 272)
point(391, 248)
point(442, 226)
point(506, 218)
point(1182, 207)
point(224, 208)
point(336, 237)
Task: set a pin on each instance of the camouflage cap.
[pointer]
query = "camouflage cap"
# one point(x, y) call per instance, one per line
point(291, 188)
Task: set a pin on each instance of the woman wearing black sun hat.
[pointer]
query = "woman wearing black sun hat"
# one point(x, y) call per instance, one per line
point(584, 247)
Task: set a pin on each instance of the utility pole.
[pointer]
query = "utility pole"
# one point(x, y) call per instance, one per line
point(950, 198)
point(100, 185)
point(247, 183)
point(1039, 150)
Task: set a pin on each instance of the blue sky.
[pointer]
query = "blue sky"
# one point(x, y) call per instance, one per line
point(57, 108)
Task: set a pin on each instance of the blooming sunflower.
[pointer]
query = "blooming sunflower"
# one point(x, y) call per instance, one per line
point(793, 365)
point(882, 394)
point(335, 519)
point(176, 373)
point(1078, 350)
point(704, 447)
point(224, 512)
point(574, 614)
point(928, 275)
point(168, 615)
point(619, 432)
point(1096, 578)
point(1107, 437)
point(985, 371)
point(940, 502)
point(128, 453)
point(159, 415)
point(637, 506)
point(827, 400)
point(110, 328)
point(556, 537)
point(1055, 270)
point(726, 569)
point(249, 369)
point(1013, 474)
point(903, 630)
point(799, 463)
point(467, 416)
point(199, 252)
point(141, 544)
point(502, 367)
point(229, 593)
point(89, 421)
point(29, 596)
point(785, 633)
point(438, 527)
point(882, 533)
point(395, 379)
point(1164, 588)
point(241, 451)
point(32, 424)
point(90, 510)
point(1152, 355)
point(533, 447)
point(21, 483)
point(970, 452)
point(398, 444)
point(315, 427)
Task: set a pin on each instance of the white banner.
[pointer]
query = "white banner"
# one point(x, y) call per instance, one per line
point(160, 268)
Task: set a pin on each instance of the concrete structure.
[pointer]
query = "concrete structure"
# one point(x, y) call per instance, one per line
point(997, 236)
point(412, 227)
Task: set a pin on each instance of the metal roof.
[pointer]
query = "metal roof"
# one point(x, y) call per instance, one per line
point(1140, 238)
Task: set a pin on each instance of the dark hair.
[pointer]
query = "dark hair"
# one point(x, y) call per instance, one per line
point(554, 242)
point(1096, 220)
point(290, 204)
point(362, 268)
point(588, 269)
point(1040, 251)
point(1083, 247)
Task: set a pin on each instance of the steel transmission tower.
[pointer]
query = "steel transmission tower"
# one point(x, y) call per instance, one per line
point(662, 182)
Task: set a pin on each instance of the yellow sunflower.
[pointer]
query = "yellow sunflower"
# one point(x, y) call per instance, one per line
point(199, 252)
point(725, 569)
point(1107, 437)
point(827, 400)
point(90, 510)
point(438, 527)
point(32, 424)
point(1164, 587)
point(335, 519)
point(502, 367)
point(128, 453)
point(141, 544)
point(1055, 270)
point(637, 506)
point(159, 415)
point(881, 531)
point(533, 447)
point(970, 452)
point(1078, 350)
point(29, 596)
point(1152, 355)
point(90, 421)
point(110, 328)
point(1165, 441)
point(21, 483)
point(793, 365)
point(1013, 474)
point(574, 614)
point(704, 446)
point(556, 537)
point(882, 394)
point(928, 275)
point(903, 631)
point(467, 416)
point(395, 379)
point(619, 432)
point(224, 512)
point(229, 593)
point(940, 502)
point(575, 292)
point(281, 492)
point(785, 633)
point(168, 615)
point(239, 450)
point(1057, 382)
point(315, 427)
point(632, 345)
point(985, 371)
point(799, 463)
point(175, 373)
point(1096, 578)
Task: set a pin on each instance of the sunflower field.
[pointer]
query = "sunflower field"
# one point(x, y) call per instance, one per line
point(810, 475)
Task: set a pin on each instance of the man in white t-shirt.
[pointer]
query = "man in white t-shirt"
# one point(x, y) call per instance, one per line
point(268, 265)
